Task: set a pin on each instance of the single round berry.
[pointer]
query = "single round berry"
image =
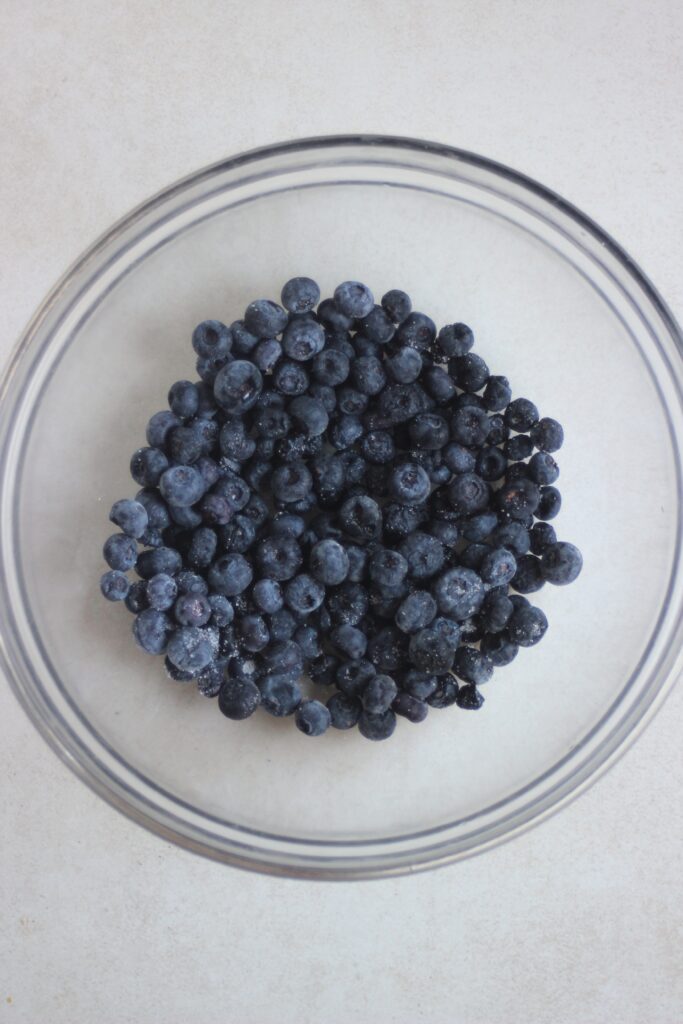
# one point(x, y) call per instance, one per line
point(115, 585)
point(329, 562)
point(469, 698)
point(183, 399)
point(521, 415)
point(459, 593)
point(416, 612)
point(547, 435)
point(344, 711)
point(182, 486)
point(397, 305)
point(211, 340)
point(238, 386)
point(527, 626)
point(353, 299)
point(468, 493)
point(230, 574)
point(377, 727)
point(312, 718)
point(130, 516)
point(416, 331)
point(410, 707)
point(409, 484)
point(543, 469)
point(152, 630)
point(238, 698)
point(120, 552)
point(561, 563)
point(300, 295)
point(147, 465)
point(498, 567)
point(454, 340)
point(303, 594)
point(424, 554)
point(303, 339)
point(279, 696)
point(404, 366)
point(162, 591)
point(430, 651)
point(472, 666)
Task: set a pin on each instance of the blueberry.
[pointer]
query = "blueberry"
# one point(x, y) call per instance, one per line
point(409, 484)
point(211, 339)
point(192, 610)
point(458, 458)
point(183, 399)
point(136, 599)
point(115, 585)
point(222, 612)
point(459, 593)
point(521, 415)
point(478, 527)
point(468, 493)
point(345, 432)
point(234, 490)
point(308, 639)
point(497, 394)
point(416, 331)
point(323, 669)
point(542, 536)
point(303, 339)
point(329, 562)
point(410, 707)
point(550, 503)
point(527, 626)
point(216, 510)
point(377, 447)
point(279, 696)
point(469, 372)
point(156, 508)
point(518, 447)
point(209, 681)
point(513, 536)
point(147, 465)
point(253, 632)
point(543, 469)
point(469, 698)
point(472, 666)
point(377, 727)
point(561, 563)
point(405, 366)
point(455, 340)
point(279, 557)
point(361, 518)
point(424, 554)
point(445, 694)
point(498, 567)
point(267, 595)
point(353, 299)
point(300, 295)
point(239, 535)
point(498, 649)
point(547, 435)
point(398, 403)
point(438, 384)
point(418, 684)
point(264, 318)
point(402, 520)
point(266, 354)
point(331, 367)
point(238, 698)
point(208, 367)
point(387, 568)
point(159, 427)
point(237, 387)
point(416, 611)
point(303, 594)
point(191, 583)
point(353, 676)
point(528, 577)
point(378, 694)
point(498, 431)
point(397, 305)
point(491, 464)
point(312, 718)
point(387, 649)
point(430, 651)
point(428, 431)
point(309, 415)
point(447, 533)
point(344, 711)
point(120, 552)
point(330, 314)
point(235, 442)
point(182, 486)
point(162, 591)
point(351, 401)
point(470, 426)
point(230, 574)
point(202, 548)
point(377, 326)
point(285, 657)
point(518, 499)
point(152, 630)
point(291, 481)
point(349, 641)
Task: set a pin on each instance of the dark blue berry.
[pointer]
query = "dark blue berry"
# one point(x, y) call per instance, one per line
point(410, 707)
point(378, 325)
point(192, 609)
point(345, 432)
point(353, 676)
point(550, 503)
point(468, 493)
point(353, 299)
point(424, 554)
point(528, 577)
point(303, 594)
point(279, 557)
point(300, 295)
point(331, 367)
point(159, 428)
point(498, 431)
point(430, 651)
point(547, 435)
point(518, 499)
point(303, 339)
point(323, 669)
point(329, 562)
point(458, 458)
point(478, 527)
point(308, 639)
point(253, 633)
point(398, 403)
point(235, 442)
point(349, 642)
point(115, 585)
point(238, 698)
point(542, 536)
point(438, 384)
point(211, 340)
point(498, 649)
point(498, 567)
point(521, 415)
point(162, 591)
point(491, 464)
point(330, 314)
point(417, 331)
point(230, 574)
point(291, 481)
point(469, 372)
point(190, 649)
point(377, 727)
point(416, 611)
point(120, 552)
point(387, 568)
point(405, 366)
point(264, 318)
point(428, 431)
point(222, 612)
point(397, 304)
point(387, 649)
point(344, 711)
point(183, 399)
point(147, 465)
point(469, 698)
point(361, 518)
point(418, 684)
point(518, 447)
point(309, 415)
point(446, 693)
point(527, 626)
point(561, 563)
point(455, 340)
point(279, 696)
point(182, 486)
point(237, 387)
point(543, 469)
point(497, 394)
point(152, 630)
point(409, 484)
point(378, 694)
point(472, 666)
point(312, 718)
point(459, 593)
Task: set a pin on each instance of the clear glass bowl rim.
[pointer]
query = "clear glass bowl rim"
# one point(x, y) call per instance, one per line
point(258, 851)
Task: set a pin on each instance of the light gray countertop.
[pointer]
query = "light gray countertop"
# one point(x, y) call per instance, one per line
point(577, 922)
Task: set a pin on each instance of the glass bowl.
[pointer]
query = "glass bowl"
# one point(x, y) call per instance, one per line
point(555, 304)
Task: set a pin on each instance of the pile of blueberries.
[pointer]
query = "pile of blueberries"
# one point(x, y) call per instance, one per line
point(345, 494)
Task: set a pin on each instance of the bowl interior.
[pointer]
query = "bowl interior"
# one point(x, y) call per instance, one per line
point(539, 319)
